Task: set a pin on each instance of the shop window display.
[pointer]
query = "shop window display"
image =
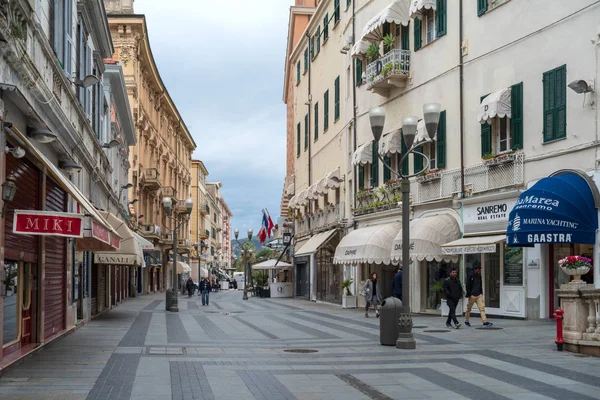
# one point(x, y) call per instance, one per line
point(436, 273)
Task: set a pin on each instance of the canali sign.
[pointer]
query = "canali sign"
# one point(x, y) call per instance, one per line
point(27, 222)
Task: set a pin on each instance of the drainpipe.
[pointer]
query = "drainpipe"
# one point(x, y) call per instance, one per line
point(309, 119)
point(461, 92)
point(354, 175)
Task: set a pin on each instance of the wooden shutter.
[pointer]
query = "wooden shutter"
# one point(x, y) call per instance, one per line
point(326, 110)
point(306, 59)
point(405, 40)
point(404, 151)
point(337, 99)
point(560, 102)
point(441, 141)
point(418, 160)
point(361, 177)
point(374, 164)
point(326, 27)
point(549, 85)
point(387, 173)
point(486, 135)
point(312, 47)
point(481, 7)
point(298, 72)
point(316, 120)
point(516, 121)
point(298, 139)
point(318, 40)
point(306, 136)
point(440, 18)
point(336, 10)
point(358, 71)
point(418, 34)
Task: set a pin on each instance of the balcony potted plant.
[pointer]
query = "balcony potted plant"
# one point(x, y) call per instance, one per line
point(389, 41)
point(372, 52)
point(575, 266)
point(429, 176)
point(348, 300)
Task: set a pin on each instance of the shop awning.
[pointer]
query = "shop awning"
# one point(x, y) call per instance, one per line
point(417, 7)
point(494, 105)
point(391, 143)
point(313, 192)
point(182, 267)
point(270, 264)
point(321, 188)
point(293, 201)
point(333, 179)
point(290, 190)
point(363, 155)
point(473, 245)
point(301, 198)
point(360, 48)
point(315, 242)
point(558, 209)
point(427, 235)
point(144, 244)
point(397, 12)
point(102, 237)
point(130, 252)
point(372, 245)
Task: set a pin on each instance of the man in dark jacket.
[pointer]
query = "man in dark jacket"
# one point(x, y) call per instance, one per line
point(475, 295)
point(397, 284)
point(453, 291)
point(204, 289)
point(190, 286)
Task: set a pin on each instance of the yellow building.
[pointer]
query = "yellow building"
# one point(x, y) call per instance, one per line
point(199, 233)
point(161, 160)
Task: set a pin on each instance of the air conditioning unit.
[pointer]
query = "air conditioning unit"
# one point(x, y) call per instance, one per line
point(349, 40)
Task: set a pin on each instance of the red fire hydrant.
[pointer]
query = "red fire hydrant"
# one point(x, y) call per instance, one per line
point(559, 329)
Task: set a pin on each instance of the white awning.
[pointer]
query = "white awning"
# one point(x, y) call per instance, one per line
point(130, 251)
point(363, 155)
point(301, 198)
point(313, 192)
point(359, 48)
point(397, 12)
point(144, 244)
point(426, 237)
point(333, 179)
point(290, 190)
point(292, 202)
point(315, 242)
point(417, 7)
point(181, 267)
point(473, 245)
point(494, 105)
point(372, 244)
point(321, 186)
point(270, 264)
point(391, 143)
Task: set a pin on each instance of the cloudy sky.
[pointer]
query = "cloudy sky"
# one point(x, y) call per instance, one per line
point(222, 62)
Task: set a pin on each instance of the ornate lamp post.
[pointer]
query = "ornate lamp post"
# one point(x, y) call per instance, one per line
point(168, 204)
point(245, 253)
point(431, 114)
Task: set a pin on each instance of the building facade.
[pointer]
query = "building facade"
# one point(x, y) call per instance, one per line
point(225, 236)
point(198, 221)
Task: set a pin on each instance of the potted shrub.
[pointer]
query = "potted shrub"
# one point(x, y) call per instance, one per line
point(575, 266)
point(348, 300)
point(372, 52)
point(389, 41)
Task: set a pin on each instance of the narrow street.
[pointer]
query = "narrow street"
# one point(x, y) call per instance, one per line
point(235, 349)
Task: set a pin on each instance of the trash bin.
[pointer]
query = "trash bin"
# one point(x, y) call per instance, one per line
point(388, 321)
point(168, 299)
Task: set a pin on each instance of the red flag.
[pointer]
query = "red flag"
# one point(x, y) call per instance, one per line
point(262, 234)
point(270, 225)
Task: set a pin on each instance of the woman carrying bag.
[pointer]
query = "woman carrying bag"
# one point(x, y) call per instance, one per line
point(371, 294)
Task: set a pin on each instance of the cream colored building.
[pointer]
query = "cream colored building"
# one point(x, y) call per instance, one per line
point(198, 225)
point(161, 160)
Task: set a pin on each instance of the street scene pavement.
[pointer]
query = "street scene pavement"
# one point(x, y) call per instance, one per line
point(294, 349)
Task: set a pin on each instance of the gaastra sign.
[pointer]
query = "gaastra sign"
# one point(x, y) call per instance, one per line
point(28, 222)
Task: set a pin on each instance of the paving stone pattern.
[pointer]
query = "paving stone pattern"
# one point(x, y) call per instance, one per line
point(234, 350)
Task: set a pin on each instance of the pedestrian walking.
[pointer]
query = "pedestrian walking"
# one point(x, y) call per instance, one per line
point(453, 291)
point(204, 290)
point(371, 294)
point(397, 284)
point(190, 286)
point(235, 284)
point(475, 295)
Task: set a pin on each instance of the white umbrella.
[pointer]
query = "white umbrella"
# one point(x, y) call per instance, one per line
point(270, 264)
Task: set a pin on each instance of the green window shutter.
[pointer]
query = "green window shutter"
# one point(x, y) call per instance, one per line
point(361, 177)
point(298, 72)
point(337, 99)
point(358, 70)
point(306, 59)
point(404, 151)
point(560, 102)
point(516, 120)
point(386, 28)
point(481, 7)
point(298, 139)
point(549, 86)
point(374, 164)
point(486, 135)
point(440, 18)
point(441, 141)
point(336, 10)
point(348, 2)
point(405, 41)
point(312, 48)
point(417, 33)
point(387, 173)
point(326, 27)
point(418, 160)
point(326, 110)
point(306, 137)
point(318, 40)
point(316, 121)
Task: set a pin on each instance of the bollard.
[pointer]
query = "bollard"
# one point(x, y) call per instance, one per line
point(559, 329)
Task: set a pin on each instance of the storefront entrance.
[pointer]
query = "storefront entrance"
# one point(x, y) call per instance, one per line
point(302, 280)
point(328, 276)
point(435, 274)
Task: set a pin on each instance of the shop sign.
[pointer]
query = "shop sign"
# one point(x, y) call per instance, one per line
point(116, 259)
point(100, 232)
point(492, 211)
point(475, 249)
point(48, 223)
point(398, 246)
point(115, 241)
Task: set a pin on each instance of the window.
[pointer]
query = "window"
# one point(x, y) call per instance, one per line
point(298, 72)
point(306, 132)
point(555, 104)
point(326, 111)
point(316, 120)
point(215, 217)
point(429, 16)
point(336, 10)
point(63, 34)
point(417, 34)
point(325, 28)
point(312, 47)
point(484, 6)
point(505, 134)
point(336, 115)
point(436, 150)
point(501, 130)
point(429, 149)
point(298, 140)
point(402, 34)
point(318, 40)
point(434, 23)
point(306, 59)
point(359, 65)
point(348, 2)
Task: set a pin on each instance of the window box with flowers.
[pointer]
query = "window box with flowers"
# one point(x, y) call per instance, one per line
point(432, 175)
point(505, 158)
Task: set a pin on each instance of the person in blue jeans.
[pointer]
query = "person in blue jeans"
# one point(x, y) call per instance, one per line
point(204, 290)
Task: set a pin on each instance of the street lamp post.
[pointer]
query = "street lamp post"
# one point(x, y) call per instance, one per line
point(431, 114)
point(168, 204)
point(245, 252)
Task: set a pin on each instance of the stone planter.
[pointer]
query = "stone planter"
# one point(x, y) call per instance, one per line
point(576, 273)
point(348, 301)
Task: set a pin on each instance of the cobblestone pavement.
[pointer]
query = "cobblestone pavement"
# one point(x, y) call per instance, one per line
point(235, 349)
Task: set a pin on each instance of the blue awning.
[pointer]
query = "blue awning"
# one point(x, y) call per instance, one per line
point(557, 209)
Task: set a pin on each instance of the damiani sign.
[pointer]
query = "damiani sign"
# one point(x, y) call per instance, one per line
point(48, 223)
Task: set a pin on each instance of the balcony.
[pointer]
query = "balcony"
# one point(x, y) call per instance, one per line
point(184, 245)
point(378, 199)
point(390, 71)
point(150, 231)
point(328, 218)
point(167, 237)
point(150, 179)
point(170, 191)
point(204, 209)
